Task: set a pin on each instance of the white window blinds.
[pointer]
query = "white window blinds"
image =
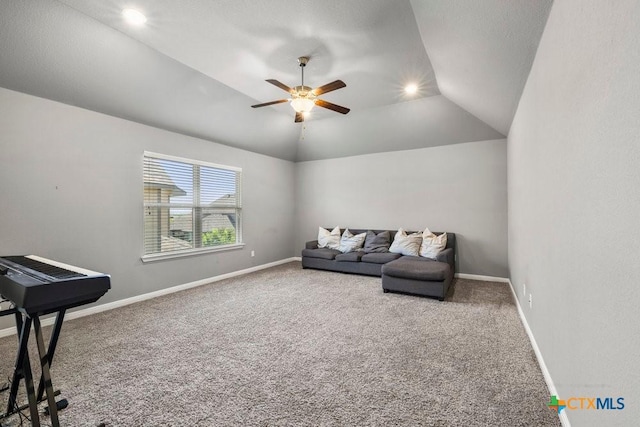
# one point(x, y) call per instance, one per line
point(190, 206)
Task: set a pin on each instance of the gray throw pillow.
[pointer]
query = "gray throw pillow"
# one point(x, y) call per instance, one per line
point(377, 243)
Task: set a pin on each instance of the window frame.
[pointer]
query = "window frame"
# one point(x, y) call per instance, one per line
point(199, 250)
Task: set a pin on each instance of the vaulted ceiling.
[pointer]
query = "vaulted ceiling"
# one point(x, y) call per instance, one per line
point(197, 66)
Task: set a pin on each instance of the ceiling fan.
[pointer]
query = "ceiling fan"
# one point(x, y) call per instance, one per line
point(303, 98)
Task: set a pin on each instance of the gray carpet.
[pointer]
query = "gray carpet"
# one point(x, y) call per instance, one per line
point(293, 347)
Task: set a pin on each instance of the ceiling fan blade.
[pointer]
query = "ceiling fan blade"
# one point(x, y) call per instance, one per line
point(299, 118)
point(279, 101)
point(330, 106)
point(280, 85)
point(329, 87)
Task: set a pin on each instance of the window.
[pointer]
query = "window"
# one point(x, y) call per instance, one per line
point(189, 206)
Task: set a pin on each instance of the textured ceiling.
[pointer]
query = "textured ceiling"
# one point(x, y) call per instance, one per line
point(198, 65)
point(482, 51)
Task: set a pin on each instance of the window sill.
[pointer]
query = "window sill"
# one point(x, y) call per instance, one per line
point(190, 252)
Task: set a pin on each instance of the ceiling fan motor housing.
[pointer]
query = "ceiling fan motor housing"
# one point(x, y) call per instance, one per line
point(303, 91)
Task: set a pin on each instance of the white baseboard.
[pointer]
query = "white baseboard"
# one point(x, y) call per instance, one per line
point(482, 278)
point(124, 302)
point(543, 367)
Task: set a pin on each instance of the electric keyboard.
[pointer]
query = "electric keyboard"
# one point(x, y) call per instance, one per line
point(39, 285)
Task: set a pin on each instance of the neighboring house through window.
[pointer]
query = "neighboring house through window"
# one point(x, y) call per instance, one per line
point(189, 206)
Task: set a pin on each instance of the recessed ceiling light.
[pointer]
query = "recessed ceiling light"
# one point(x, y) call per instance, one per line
point(134, 17)
point(411, 88)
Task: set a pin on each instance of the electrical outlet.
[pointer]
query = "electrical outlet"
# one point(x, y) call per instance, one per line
point(524, 289)
point(530, 301)
point(253, 253)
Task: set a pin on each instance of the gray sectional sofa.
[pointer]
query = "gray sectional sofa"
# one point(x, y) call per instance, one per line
point(399, 273)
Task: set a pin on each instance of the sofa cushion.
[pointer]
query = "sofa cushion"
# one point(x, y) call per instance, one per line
point(324, 253)
point(406, 244)
point(377, 242)
point(416, 269)
point(329, 239)
point(379, 258)
point(432, 244)
point(350, 256)
point(350, 242)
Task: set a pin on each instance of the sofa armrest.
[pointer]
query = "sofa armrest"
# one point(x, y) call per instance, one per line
point(313, 244)
point(447, 256)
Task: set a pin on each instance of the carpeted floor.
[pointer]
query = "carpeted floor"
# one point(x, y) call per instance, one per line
point(293, 347)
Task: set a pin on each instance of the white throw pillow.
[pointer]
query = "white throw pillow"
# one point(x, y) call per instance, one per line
point(432, 245)
point(406, 245)
point(329, 239)
point(350, 242)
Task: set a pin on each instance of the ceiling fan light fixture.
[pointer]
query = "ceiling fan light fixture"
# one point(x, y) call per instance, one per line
point(302, 104)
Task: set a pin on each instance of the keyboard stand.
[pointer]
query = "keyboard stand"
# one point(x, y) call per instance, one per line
point(22, 369)
point(53, 342)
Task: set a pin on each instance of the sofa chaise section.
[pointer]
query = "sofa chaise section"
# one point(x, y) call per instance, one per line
point(415, 275)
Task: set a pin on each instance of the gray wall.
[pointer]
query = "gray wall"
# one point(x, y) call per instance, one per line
point(460, 188)
point(574, 203)
point(71, 190)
